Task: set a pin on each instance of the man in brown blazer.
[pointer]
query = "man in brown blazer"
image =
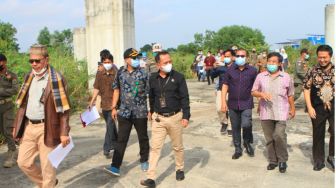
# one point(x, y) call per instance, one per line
point(42, 120)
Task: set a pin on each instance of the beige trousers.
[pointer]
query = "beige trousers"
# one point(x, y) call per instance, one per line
point(167, 126)
point(33, 144)
point(223, 117)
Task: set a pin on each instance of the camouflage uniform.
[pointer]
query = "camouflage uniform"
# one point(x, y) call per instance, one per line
point(8, 87)
point(151, 66)
point(300, 72)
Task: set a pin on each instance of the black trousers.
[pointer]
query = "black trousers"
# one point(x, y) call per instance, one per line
point(124, 131)
point(208, 75)
point(319, 127)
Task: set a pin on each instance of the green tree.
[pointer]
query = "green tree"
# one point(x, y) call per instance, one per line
point(44, 37)
point(146, 48)
point(8, 42)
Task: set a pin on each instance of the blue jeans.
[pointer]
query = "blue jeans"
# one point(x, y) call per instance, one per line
point(241, 119)
point(111, 131)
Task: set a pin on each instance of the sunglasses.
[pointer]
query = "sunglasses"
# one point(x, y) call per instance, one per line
point(31, 61)
point(240, 56)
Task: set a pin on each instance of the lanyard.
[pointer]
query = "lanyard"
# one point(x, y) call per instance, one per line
point(162, 87)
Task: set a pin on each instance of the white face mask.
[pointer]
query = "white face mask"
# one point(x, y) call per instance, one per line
point(107, 66)
point(167, 68)
point(39, 72)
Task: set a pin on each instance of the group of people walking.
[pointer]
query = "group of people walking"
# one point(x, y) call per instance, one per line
point(133, 95)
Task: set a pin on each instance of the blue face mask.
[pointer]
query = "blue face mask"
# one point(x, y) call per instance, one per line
point(240, 61)
point(227, 60)
point(272, 68)
point(307, 56)
point(154, 54)
point(135, 63)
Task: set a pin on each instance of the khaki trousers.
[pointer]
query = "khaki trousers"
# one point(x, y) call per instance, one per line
point(32, 145)
point(167, 126)
point(223, 117)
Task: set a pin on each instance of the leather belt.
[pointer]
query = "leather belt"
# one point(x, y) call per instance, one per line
point(38, 121)
point(3, 101)
point(168, 114)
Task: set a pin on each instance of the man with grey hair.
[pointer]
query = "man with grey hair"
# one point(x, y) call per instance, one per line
point(42, 120)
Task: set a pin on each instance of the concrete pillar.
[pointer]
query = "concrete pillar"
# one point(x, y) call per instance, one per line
point(109, 25)
point(330, 27)
point(79, 43)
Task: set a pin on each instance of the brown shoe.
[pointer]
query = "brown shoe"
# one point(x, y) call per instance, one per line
point(11, 159)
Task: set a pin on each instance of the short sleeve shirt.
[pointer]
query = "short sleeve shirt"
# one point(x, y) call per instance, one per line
point(133, 87)
point(280, 88)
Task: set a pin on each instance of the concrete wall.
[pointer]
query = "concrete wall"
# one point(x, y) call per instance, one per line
point(330, 27)
point(79, 43)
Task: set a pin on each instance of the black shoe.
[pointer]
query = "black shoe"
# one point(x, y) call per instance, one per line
point(318, 166)
point(229, 132)
point(56, 182)
point(271, 166)
point(224, 127)
point(249, 149)
point(331, 161)
point(236, 155)
point(282, 167)
point(148, 183)
point(179, 175)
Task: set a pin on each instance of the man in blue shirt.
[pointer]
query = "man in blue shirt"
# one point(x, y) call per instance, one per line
point(131, 88)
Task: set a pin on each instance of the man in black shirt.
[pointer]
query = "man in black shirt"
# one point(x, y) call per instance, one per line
point(168, 95)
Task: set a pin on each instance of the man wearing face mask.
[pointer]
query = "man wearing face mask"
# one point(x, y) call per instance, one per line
point(219, 71)
point(103, 86)
point(276, 92)
point(300, 72)
point(238, 82)
point(8, 87)
point(131, 88)
point(42, 120)
point(151, 65)
point(209, 62)
point(319, 94)
point(168, 95)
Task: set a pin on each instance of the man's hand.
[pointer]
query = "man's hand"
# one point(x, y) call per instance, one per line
point(114, 114)
point(291, 113)
point(311, 112)
point(90, 106)
point(266, 96)
point(224, 107)
point(65, 140)
point(184, 123)
point(149, 116)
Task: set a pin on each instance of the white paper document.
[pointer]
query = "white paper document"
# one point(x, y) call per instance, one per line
point(59, 153)
point(89, 116)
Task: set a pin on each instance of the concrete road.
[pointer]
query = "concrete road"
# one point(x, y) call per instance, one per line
point(208, 160)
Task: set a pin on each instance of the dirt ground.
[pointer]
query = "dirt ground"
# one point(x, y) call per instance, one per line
point(208, 154)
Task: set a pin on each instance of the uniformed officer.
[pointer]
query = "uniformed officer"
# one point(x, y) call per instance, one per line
point(8, 88)
point(151, 65)
point(300, 72)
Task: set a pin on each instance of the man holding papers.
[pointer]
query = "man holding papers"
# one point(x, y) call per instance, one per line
point(42, 120)
point(103, 86)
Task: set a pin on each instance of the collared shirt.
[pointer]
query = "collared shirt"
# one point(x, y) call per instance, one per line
point(103, 82)
point(321, 83)
point(239, 86)
point(133, 87)
point(174, 90)
point(35, 107)
point(280, 88)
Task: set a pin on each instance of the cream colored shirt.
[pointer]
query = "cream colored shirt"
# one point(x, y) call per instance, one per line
point(35, 108)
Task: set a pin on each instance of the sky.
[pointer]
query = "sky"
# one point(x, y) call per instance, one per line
point(174, 22)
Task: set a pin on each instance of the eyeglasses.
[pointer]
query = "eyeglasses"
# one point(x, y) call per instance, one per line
point(240, 56)
point(37, 61)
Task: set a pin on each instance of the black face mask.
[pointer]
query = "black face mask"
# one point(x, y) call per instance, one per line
point(2, 67)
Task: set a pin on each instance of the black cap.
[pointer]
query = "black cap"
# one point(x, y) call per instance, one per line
point(131, 52)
